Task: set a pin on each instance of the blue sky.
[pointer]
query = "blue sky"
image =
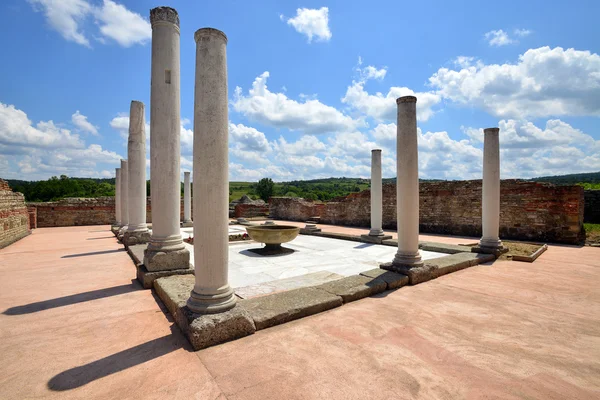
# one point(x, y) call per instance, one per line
point(312, 85)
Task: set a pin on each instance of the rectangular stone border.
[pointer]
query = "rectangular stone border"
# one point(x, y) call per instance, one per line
point(532, 257)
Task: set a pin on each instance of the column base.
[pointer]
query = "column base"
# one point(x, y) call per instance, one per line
point(376, 232)
point(493, 244)
point(166, 259)
point(187, 224)
point(375, 239)
point(131, 238)
point(211, 304)
point(121, 232)
point(408, 260)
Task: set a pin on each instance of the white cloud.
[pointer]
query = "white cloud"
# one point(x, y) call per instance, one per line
point(276, 109)
point(68, 17)
point(65, 16)
point(498, 38)
point(80, 121)
point(312, 23)
point(383, 107)
point(522, 32)
point(544, 82)
point(125, 27)
point(307, 145)
point(17, 130)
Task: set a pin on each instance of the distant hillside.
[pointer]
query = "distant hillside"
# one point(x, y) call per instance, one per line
point(570, 179)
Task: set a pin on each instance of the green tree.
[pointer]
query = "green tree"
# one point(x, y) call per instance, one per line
point(264, 188)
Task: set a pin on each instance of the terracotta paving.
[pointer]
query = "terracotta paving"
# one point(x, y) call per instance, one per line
point(73, 325)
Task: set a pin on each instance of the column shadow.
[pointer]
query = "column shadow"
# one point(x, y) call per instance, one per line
point(73, 299)
point(84, 374)
point(93, 253)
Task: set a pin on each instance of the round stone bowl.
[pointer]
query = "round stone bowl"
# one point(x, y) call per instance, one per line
point(273, 235)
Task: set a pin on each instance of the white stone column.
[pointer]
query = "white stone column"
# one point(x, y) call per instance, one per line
point(490, 201)
point(211, 293)
point(187, 200)
point(166, 250)
point(407, 184)
point(118, 196)
point(376, 194)
point(124, 193)
point(137, 230)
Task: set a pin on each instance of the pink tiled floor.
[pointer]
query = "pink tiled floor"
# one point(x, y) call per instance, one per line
point(74, 326)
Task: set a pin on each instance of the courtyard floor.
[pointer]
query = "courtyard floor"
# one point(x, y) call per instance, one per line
point(73, 324)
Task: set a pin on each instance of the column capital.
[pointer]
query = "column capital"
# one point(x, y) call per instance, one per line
point(164, 14)
point(491, 131)
point(406, 99)
point(206, 32)
point(376, 150)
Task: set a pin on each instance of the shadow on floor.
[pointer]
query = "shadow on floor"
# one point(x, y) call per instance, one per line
point(73, 299)
point(364, 246)
point(82, 375)
point(102, 237)
point(93, 253)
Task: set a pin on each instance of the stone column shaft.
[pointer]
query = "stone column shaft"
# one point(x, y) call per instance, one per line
point(376, 194)
point(124, 193)
point(166, 250)
point(187, 200)
point(211, 293)
point(137, 231)
point(118, 196)
point(490, 202)
point(407, 184)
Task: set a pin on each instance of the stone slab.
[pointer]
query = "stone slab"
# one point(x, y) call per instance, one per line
point(531, 257)
point(279, 285)
point(390, 242)
point(374, 239)
point(201, 330)
point(145, 277)
point(437, 267)
point(393, 280)
point(486, 250)
point(444, 248)
point(354, 287)
point(279, 308)
point(336, 235)
point(157, 261)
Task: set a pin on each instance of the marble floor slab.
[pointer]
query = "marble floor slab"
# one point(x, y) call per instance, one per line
point(312, 254)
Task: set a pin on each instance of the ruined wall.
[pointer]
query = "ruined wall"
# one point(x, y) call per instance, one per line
point(592, 207)
point(251, 210)
point(75, 212)
point(528, 210)
point(14, 218)
point(293, 209)
point(80, 211)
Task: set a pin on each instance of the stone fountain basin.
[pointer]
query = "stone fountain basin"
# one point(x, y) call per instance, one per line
point(273, 234)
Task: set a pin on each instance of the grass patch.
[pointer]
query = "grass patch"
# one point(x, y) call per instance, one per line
point(592, 233)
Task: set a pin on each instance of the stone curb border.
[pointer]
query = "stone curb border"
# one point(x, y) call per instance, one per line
point(531, 257)
point(263, 312)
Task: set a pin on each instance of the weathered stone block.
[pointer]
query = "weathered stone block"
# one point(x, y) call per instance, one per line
point(201, 330)
point(354, 287)
point(162, 261)
point(419, 274)
point(392, 279)
point(282, 307)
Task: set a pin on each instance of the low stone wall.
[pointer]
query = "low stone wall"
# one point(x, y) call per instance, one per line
point(251, 210)
point(293, 209)
point(592, 206)
point(80, 211)
point(528, 210)
point(14, 218)
point(75, 212)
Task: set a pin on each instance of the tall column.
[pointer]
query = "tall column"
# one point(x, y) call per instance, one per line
point(211, 293)
point(124, 193)
point(407, 184)
point(166, 250)
point(490, 202)
point(187, 200)
point(137, 231)
point(376, 193)
point(118, 196)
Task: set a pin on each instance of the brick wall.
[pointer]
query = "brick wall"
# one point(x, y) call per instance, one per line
point(592, 206)
point(14, 218)
point(528, 210)
point(251, 210)
point(80, 211)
